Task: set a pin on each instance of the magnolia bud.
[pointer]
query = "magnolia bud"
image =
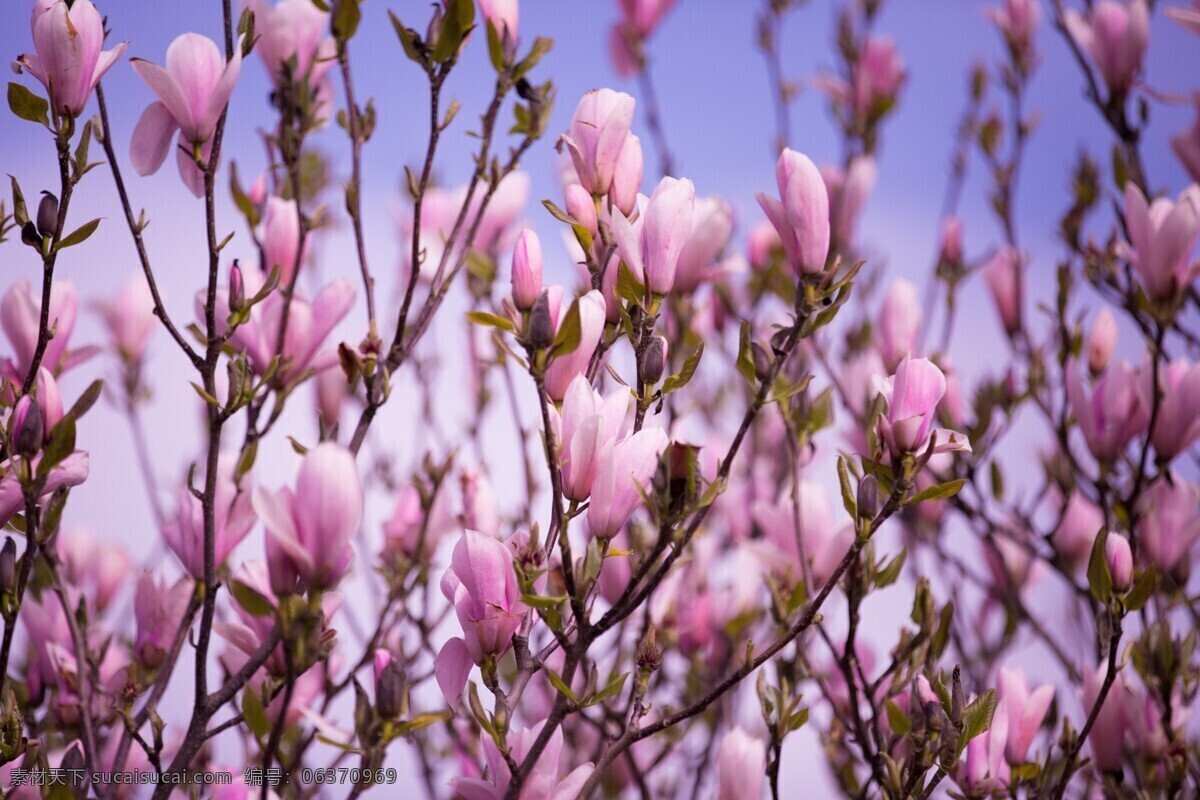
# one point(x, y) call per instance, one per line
point(1102, 341)
point(237, 289)
point(47, 215)
point(390, 686)
point(654, 360)
point(526, 270)
point(27, 428)
point(541, 327)
point(30, 235)
point(1120, 562)
point(763, 361)
point(868, 497)
point(581, 207)
point(649, 656)
point(8, 566)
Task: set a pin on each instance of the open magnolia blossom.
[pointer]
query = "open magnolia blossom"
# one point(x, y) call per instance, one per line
point(590, 477)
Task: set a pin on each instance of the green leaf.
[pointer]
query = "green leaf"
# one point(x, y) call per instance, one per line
point(681, 378)
point(570, 333)
point(1099, 578)
point(629, 288)
point(204, 395)
point(888, 575)
point(240, 198)
point(61, 445)
point(79, 235)
point(898, 721)
point(251, 600)
point(1142, 589)
point(939, 492)
point(27, 105)
point(745, 359)
point(460, 15)
point(408, 40)
point(495, 48)
point(557, 682)
point(87, 399)
point(557, 212)
point(541, 46)
point(977, 717)
point(491, 321)
point(941, 637)
point(543, 601)
point(254, 713)
point(422, 721)
point(613, 688)
point(797, 720)
point(848, 496)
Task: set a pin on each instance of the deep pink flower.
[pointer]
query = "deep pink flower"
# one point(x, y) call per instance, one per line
point(192, 92)
point(899, 322)
point(1017, 20)
point(644, 16)
point(129, 317)
point(1169, 523)
point(599, 130)
point(293, 29)
point(624, 468)
point(482, 585)
point(1102, 341)
point(985, 769)
point(826, 540)
point(542, 783)
point(70, 472)
point(1116, 37)
point(1107, 738)
point(651, 245)
point(70, 60)
point(158, 609)
point(1081, 521)
point(20, 316)
point(912, 396)
point(1178, 423)
point(1005, 279)
point(100, 567)
point(1026, 711)
point(279, 235)
point(848, 193)
point(314, 525)
point(741, 763)
point(234, 518)
point(1162, 236)
point(801, 215)
point(1114, 411)
point(589, 423)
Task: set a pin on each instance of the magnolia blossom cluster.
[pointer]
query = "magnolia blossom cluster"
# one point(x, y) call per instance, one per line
point(696, 484)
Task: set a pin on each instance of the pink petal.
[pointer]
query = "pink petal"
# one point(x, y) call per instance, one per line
point(152, 139)
point(451, 667)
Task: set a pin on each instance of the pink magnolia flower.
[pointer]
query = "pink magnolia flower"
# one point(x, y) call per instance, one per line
point(644, 16)
point(309, 323)
point(233, 520)
point(313, 526)
point(101, 568)
point(543, 781)
point(1107, 738)
point(564, 368)
point(526, 270)
point(70, 59)
point(332, 391)
point(848, 193)
point(1116, 37)
point(651, 246)
point(627, 176)
point(20, 316)
point(588, 424)
point(876, 78)
point(129, 317)
point(1005, 279)
point(950, 248)
point(741, 764)
point(504, 15)
point(623, 51)
point(279, 235)
point(582, 208)
point(158, 609)
point(1081, 521)
point(192, 92)
point(482, 585)
point(899, 322)
point(912, 396)
point(1187, 17)
point(762, 241)
point(1017, 20)
point(1026, 711)
point(624, 468)
point(599, 130)
point(1169, 523)
point(801, 215)
point(1120, 561)
point(825, 540)
point(712, 228)
point(1186, 143)
point(1178, 423)
point(293, 29)
point(985, 769)
point(1113, 413)
point(403, 531)
point(68, 473)
point(1102, 341)
point(45, 626)
point(1162, 236)
point(480, 510)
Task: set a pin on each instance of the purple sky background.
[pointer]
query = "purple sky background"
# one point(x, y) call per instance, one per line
point(718, 118)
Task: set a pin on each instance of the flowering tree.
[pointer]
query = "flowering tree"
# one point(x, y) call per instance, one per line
point(674, 597)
